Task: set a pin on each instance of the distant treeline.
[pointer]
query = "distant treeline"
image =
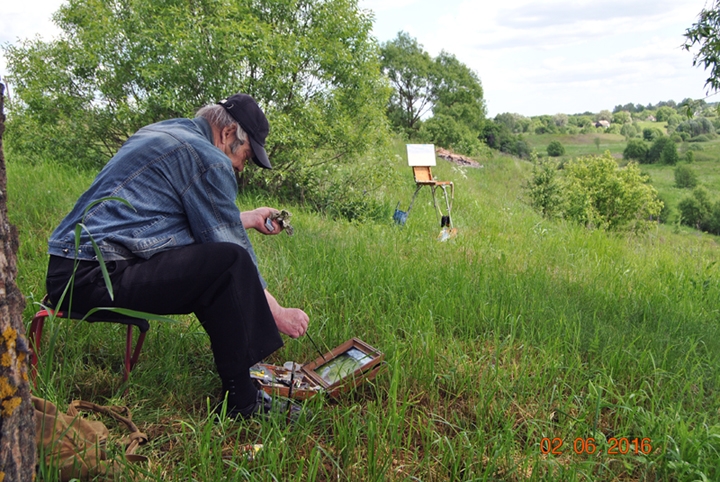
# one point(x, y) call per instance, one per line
point(690, 120)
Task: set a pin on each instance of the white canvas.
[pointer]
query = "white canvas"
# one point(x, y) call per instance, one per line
point(420, 154)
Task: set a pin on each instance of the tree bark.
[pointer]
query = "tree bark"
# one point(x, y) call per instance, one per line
point(17, 423)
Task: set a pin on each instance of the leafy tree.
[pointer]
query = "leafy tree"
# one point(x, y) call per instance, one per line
point(311, 64)
point(508, 120)
point(604, 115)
point(600, 194)
point(663, 150)
point(516, 123)
point(581, 121)
point(409, 68)
point(521, 148)
point(628, 130)
point(544, 189)
point(696, 127)
point(560, 120)
point(663, 113)
point(444, 85)
point(613, 129)
point(651, 133)
point(457, 92)
point(705, 33)
point(695, 210)
point(446, 131)
point(636, 150)
point(713, 219)
point(498, 136)
point(555, 149)
point(669, 154)
point(621, 117)
point(666, 210)
point(685, 177)
point(673, 121)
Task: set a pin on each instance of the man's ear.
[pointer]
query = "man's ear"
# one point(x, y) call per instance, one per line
point(227, 133)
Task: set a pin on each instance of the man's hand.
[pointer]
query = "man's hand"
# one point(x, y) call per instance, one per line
point(256, 219)
point(291, 321)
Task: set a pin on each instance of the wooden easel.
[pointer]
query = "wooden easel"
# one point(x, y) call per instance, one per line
point(421, 157)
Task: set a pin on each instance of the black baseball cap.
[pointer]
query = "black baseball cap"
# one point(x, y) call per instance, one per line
point(251, 118)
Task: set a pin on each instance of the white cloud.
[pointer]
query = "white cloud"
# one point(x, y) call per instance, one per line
point(554, 56)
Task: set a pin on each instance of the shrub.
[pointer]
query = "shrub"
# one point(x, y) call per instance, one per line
point(544, 189)
point(700, 138)
point(669, 154)
point(628, 130)
point(713, 221)
point(662, 150)
point(598, 193)
point(665, 212)
point(443, 130)
point(696, 127)
point(651, 133)
point(636, 150)
point(555, 149)
point(689, 156)
point(695, 210)
point(522, 149)
point(685, 177)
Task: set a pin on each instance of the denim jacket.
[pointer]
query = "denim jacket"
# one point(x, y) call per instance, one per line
point(182, 190)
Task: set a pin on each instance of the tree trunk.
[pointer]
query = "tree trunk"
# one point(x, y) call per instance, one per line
point(17, 423)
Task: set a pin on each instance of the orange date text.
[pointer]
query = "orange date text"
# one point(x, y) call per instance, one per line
point(615, 446)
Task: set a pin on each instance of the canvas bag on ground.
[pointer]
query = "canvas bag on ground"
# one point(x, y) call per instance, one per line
point(76, 445)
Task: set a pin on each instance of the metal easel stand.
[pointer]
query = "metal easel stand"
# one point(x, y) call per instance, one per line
point(444, 220)
point(447, 230)
point(400, 217)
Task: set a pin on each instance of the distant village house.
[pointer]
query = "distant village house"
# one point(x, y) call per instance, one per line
point(602, 123)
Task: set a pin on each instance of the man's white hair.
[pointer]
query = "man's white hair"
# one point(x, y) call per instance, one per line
point(219, 118)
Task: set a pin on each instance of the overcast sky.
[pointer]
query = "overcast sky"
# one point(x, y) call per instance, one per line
point(532, 56)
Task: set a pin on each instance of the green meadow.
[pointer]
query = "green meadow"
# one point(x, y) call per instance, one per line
point(521, 349)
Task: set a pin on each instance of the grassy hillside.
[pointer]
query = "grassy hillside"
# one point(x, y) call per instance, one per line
point(512, 339)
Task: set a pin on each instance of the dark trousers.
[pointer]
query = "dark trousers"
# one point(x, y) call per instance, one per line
point(216, 281)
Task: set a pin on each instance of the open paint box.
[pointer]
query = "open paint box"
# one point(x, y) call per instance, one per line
point(337, 371)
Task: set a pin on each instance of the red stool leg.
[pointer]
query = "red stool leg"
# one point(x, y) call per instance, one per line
point(138, 347)
point(35, 335)
point(128, 356)
point(132, 355)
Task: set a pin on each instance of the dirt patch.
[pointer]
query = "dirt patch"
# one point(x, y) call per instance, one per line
point(458, 159)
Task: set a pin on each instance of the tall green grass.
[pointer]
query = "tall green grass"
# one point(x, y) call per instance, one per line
point(516, 330)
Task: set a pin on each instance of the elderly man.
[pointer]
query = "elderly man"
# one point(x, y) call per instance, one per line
point(182, 247)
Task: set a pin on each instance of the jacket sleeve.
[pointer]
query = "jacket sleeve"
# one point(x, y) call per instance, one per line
point(212, 213)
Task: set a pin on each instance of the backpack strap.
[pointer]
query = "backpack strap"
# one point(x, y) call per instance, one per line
point(122, 415)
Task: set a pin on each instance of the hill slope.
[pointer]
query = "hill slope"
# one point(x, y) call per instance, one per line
point(515, 339)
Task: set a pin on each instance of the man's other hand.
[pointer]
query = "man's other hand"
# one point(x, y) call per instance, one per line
point(256, 219)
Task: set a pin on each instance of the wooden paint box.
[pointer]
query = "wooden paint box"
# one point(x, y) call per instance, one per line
point(339, 370)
